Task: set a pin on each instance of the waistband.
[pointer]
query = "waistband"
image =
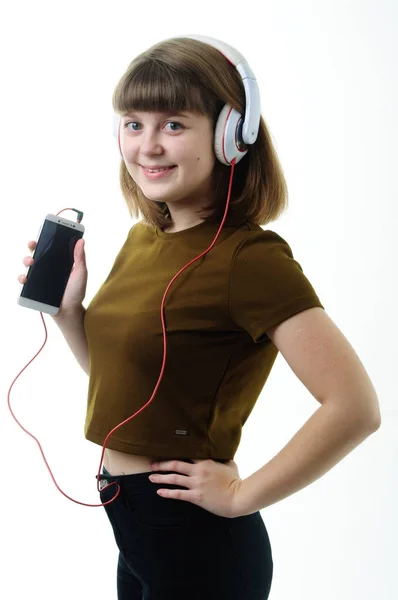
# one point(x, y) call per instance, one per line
point(136, 482)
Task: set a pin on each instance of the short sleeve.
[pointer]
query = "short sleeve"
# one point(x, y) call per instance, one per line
point(267, 284)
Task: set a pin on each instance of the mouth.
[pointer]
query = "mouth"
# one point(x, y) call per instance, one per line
point(157, 172)
point(157, 167)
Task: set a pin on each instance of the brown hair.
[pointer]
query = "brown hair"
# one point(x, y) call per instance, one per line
point(184, 74)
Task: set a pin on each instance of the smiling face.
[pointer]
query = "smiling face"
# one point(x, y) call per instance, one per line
point(182, 144)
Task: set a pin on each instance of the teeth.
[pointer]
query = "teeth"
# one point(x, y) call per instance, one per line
point(157, 170)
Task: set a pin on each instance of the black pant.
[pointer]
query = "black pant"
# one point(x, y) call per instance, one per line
point(175, 550)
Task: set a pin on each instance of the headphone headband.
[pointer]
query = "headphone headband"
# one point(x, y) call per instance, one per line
point(252, 112)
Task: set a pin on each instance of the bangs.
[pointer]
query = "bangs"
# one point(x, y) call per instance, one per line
point(154, 86)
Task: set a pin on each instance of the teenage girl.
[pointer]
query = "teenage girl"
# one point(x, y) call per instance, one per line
point(227, 316)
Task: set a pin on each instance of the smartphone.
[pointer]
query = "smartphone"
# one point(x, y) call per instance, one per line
point(48, 276)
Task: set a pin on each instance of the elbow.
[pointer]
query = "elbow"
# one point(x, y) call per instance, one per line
point(372, 422)
point(375, 418)
point(376, 423)
point(363, 413)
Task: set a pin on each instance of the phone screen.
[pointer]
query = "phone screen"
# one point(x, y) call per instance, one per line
point(48, 276)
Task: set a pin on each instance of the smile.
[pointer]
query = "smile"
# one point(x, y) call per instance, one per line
point(157, 173)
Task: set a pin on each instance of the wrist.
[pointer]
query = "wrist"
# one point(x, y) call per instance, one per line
point(243, 504)
point(70, 314)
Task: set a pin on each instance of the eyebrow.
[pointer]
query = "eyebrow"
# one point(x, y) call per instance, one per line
point(162, 113)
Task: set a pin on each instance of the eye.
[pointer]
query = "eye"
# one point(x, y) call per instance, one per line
point(175, 123)
point(174, 126)
point(131, 123)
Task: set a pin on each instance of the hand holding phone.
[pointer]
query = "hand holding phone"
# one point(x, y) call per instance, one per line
point(51, 285)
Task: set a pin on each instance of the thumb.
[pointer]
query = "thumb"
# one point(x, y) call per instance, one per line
point(79, 251)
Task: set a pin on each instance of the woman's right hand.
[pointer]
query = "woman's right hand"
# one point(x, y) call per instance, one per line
point(75, 290)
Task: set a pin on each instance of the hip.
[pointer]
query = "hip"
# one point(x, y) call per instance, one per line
point(121, 463)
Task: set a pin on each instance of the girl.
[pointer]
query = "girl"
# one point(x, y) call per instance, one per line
point(194, 529)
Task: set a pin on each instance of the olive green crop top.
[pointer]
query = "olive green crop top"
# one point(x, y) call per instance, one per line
point(217, 313)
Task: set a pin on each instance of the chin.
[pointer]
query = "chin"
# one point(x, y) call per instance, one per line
point(159, 197)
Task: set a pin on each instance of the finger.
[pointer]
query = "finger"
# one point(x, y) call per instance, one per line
point(173, 465)
point(172, 478)
point(186, 495)
point(28, 260)
point(22, 278)
point(32, 245)
point(80, 252)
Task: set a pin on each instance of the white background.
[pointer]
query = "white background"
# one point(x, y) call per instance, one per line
point(329, 95)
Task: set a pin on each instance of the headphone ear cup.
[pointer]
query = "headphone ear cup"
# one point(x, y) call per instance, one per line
point(226, 136)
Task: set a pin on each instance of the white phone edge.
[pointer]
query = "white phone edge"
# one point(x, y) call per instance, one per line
point(46, 308)
point(33, 304)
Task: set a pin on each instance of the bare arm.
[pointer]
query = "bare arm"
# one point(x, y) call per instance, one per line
point(325, 362)
point(72, 328)
point(70, 318)
point(324, 440)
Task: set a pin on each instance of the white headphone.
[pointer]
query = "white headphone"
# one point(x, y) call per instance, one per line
point(232, 133)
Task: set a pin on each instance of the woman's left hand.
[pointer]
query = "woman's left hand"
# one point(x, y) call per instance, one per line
point(212, 485)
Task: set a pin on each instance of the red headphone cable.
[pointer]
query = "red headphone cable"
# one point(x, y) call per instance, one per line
point(79, 218)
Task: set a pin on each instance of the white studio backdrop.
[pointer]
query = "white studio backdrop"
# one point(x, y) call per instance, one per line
point(329, 91)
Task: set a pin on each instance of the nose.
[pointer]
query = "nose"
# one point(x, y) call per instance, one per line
point(150, 143)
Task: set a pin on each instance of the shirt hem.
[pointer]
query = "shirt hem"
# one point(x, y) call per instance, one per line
point(162, 450)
